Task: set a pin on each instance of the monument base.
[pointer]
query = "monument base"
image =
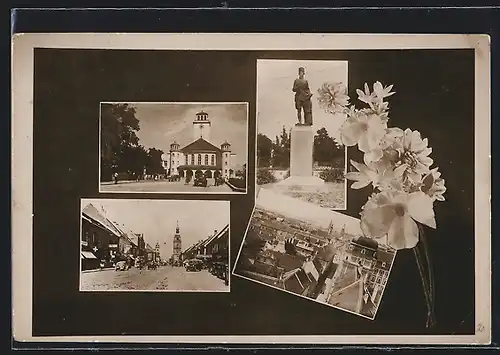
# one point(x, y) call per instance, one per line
point(302, 181)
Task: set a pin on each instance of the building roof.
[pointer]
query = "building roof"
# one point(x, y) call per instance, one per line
point(149, 248)
point(366, 242)
point(91, 212)
point(200, 145)
point(217, 235)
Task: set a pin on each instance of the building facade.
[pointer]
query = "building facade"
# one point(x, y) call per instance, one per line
point(100, 239)
point(200, 156)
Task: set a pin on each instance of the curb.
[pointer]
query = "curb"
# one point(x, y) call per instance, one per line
point(96, 270)
point(234, 188)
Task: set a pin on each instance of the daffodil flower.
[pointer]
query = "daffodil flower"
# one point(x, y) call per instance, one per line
point(385, 150)
point(394, 214)
point(364, 130)
point(377, 175)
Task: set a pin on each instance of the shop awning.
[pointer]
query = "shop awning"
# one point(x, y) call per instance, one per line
point(88, 255)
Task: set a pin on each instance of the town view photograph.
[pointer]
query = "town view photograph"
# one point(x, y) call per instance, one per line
point(299, 152)
point(315, 253)
point(173, 147)
point(154, 245)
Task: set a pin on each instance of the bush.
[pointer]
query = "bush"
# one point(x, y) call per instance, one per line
point(332, 175)
point(265, 176)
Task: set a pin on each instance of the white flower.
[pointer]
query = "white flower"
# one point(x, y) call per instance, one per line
point(395, 214)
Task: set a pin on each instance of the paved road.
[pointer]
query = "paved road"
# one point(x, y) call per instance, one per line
point(162, 186)
point(164, 278)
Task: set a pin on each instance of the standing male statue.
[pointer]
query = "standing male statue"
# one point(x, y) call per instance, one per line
point(303, 98)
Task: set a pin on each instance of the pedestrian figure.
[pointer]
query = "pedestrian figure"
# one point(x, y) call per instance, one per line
point(116, 178)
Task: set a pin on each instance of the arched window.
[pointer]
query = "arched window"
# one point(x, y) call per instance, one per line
point(206, 159)
point(199, 159)
point(212, 161)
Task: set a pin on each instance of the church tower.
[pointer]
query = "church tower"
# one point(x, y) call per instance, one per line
point(177, 249)
point(201, 126)
point(157, 251)
point(226, 159)
point(175, 158)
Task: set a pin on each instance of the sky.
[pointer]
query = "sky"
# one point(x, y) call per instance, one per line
point(307, 212)
point(157, 219)
point(163, 123)
point(275, 99)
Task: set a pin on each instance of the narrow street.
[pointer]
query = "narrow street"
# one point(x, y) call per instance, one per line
point(161, 186)
point(165, 278)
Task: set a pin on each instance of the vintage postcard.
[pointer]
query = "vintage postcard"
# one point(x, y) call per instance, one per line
point(176, 147)
point(315, 253)
point(151, 245)
point(135, 161)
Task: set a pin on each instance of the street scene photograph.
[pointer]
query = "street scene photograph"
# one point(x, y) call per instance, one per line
point(315, 253)
point(154, 245)
point(174, 147)
point(299, 149)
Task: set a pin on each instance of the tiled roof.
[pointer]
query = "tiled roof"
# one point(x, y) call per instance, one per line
point(91, 212)
point(216, 236)
point(200, 145)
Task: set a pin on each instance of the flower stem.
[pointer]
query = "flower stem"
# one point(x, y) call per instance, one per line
point(430, 273)
point(430, 313)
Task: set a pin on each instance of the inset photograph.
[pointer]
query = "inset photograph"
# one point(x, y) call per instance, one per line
point(299, 151)
point(154, 245)
point(173, 147)
point(315, 253)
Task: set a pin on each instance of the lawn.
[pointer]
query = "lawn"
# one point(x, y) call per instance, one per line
point(330, 195)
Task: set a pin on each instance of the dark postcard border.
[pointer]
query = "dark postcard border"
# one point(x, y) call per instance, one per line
point(435, 92)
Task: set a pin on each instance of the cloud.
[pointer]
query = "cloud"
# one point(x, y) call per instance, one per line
point(163, 123)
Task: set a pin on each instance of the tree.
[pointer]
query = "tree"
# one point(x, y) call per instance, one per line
point(155, 163)
point(326, 151)
point(264, 150)
point(118, 134)
point(281, 150)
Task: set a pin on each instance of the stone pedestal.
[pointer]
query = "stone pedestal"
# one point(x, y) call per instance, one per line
point(301, 158)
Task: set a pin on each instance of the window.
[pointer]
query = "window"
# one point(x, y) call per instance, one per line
point(225, 162)
point(363, 251)
point(384, 264)
point(212, 161)
point(206, 159)
point(226, 170)
point(199, 159)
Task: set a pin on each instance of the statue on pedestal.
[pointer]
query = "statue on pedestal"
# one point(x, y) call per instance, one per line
point(303, 99)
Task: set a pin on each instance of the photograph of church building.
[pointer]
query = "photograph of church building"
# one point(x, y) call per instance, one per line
point(200, 156)
point(174, 147)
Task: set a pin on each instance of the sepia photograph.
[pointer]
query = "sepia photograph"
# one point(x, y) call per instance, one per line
point(315, 253)
point(173, 147)
point(299, 149)
point(367, 153)
point(152, 245)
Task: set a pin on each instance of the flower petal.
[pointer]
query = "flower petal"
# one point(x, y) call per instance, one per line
point(375, 222)
point(373, 155)
point(351, 131)
point(403, 233)
point(355, 176)
point(360, 184)
point(420, 208)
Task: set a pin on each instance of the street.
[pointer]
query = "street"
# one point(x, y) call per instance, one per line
point(160, 186)
point(165, 278)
